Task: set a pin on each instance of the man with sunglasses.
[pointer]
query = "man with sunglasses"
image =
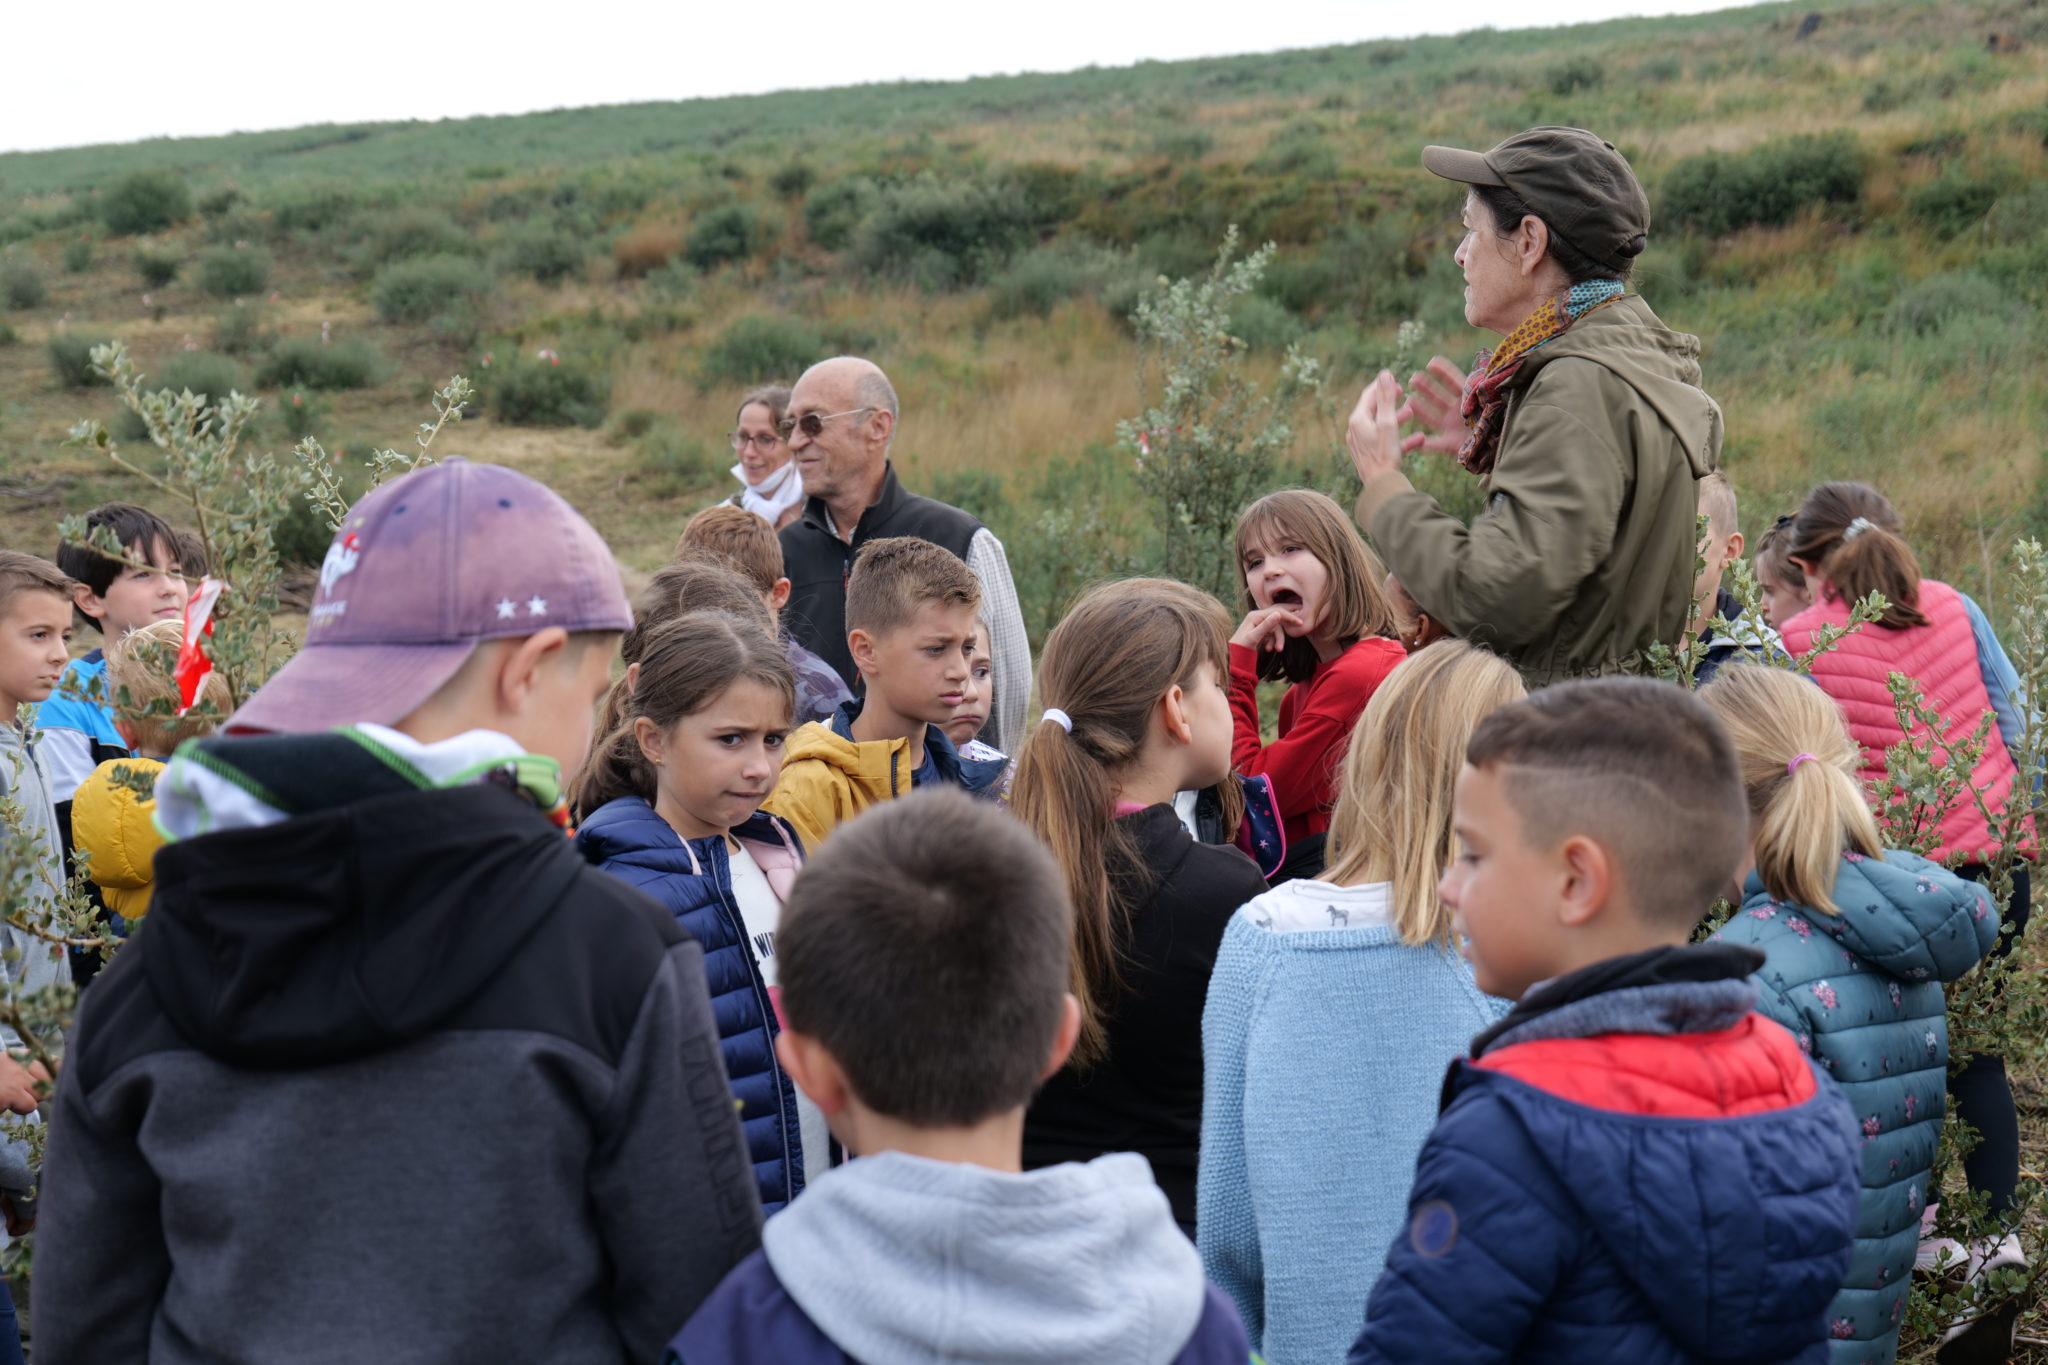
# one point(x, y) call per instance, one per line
point(841, 420)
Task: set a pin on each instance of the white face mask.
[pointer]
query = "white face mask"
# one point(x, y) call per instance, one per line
point(774, 495)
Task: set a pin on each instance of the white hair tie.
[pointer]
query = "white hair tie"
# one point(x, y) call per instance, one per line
point(1059, 718)
point(1858, 527)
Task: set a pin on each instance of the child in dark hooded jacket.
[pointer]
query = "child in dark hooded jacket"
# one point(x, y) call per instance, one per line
point(703, 717)
point(1857, 941)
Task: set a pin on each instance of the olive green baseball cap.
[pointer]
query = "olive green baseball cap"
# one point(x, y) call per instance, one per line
point(1573, 180)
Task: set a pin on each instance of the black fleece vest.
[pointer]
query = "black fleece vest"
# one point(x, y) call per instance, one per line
point(818, 562)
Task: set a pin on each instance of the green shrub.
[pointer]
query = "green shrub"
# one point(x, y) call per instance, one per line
point(8, 336)
point(1931, 305)
point(145, 201)
point(78, 254)
point(1183, 145)
point(1720, 192)
point(428, 288)
point(403, 234)
point(308, 363)
point(721, 235)
point(1040, 279)
point(203, 372)
point(548, 254)
point(71, 359)
point(1297, 154)
point(220, 201)
point(761, 347)
point(672, 462)
point(834, 212)
point(157, 268)
point(2020, 217)
point(312, 206)
point(1953, 203)
point(21, 285)
point(300, 415)
point(793, 180)
point(540, 391)
point(1263, 324)
point(239, 331)
point(1574, 74)
point(942, 234)
point(230, 273)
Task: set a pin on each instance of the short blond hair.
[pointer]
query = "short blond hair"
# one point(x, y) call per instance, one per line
point(142, 664)
point(894, 577)
point(1717, 505)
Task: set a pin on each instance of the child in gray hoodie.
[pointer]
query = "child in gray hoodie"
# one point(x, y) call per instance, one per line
point(924, 965)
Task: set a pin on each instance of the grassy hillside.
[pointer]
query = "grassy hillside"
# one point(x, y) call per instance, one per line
point(1855, 221)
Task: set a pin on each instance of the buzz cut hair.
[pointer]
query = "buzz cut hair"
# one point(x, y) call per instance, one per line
point(1717, 505)
point(926, 947)
point(736, 534)
point(1642, 768)
point(894, 577)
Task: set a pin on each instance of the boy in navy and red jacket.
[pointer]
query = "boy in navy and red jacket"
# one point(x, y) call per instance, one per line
point(924, 964)
point(1634, 1165)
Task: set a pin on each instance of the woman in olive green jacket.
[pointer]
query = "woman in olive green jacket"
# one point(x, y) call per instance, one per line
point(1588, 425)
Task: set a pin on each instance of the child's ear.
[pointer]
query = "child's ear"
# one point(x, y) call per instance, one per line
point(778, 596)
point(520, 671)
point(861, 646)
point(1733, 550)
point(815, 1071)
point(653, 743)
point(125, 731)
point(1063, 1041)
point(88, 601)
point(1173, 710)
point(1588, 870)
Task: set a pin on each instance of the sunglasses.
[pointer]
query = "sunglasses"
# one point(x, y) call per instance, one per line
point(766, 440)
point(812, 424)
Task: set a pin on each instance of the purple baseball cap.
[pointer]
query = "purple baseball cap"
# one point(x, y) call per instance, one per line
point(421, 571)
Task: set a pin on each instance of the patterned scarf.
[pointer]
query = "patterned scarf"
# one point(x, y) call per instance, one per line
point(1485, 392)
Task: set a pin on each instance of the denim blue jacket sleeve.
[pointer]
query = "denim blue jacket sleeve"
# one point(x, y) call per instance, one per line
point(2001, 679)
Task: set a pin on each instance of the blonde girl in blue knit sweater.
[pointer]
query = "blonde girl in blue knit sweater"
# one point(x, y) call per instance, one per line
point(1334, 1008)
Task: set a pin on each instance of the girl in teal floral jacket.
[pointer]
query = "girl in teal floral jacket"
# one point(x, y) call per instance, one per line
point(1857, 941)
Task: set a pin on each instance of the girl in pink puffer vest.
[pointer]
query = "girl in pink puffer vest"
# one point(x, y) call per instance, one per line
point(1846, 541)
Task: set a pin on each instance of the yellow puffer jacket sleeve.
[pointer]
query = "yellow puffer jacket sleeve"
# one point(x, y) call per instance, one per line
point(114, 825)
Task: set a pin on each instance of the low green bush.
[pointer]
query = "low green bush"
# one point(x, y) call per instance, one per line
point(672, 463)
point(723, 234)
point(240, 331)
point(1035, 282)
point(202, 372)
point(220, 201)
point(145, 201)
point(71, 359)
point(759, 348)
point(228, 272)
point(1934, 303)
point(312, 206)
point(793, 181)
point(406, 234)
point(78, 254)
point(1952, 203)
point(1719, 192)
point(21, 285)
point(157, 268)
point(540, 391)
point(548, 254)
point(943, 234)
point(428, 288)
point(309, 363)
point(835, 210)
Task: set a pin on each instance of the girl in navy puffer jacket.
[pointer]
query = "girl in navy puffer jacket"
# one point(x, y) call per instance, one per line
point(672, 797)
point(1857, 942)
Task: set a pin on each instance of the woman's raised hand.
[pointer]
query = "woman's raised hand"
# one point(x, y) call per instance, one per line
point(1436, 400)
point(1373, 436)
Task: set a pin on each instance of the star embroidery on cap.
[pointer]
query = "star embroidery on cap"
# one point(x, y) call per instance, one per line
point(506, 608)
point(537, 606)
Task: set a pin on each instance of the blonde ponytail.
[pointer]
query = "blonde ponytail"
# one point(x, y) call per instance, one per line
point(1799, 768)
point(1104, 668)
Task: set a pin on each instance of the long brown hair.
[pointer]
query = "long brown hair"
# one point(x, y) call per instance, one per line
point(1800, 771)
point(1850, 536)
point(1392, 822)
point(683, 667)
point(1122, 648)
point(1356, 605)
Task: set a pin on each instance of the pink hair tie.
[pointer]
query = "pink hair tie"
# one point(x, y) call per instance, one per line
point(1797, 759)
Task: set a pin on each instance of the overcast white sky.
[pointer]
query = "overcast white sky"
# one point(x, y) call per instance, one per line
point(119, 70)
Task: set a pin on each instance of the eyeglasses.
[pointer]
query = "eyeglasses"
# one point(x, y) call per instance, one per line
point(812, 424)
point(764, 440)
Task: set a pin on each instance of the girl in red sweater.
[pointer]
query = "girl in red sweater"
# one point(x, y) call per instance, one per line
point(1316, 616)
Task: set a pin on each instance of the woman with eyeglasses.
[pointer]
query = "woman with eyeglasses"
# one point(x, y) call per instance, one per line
point(774, 489)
